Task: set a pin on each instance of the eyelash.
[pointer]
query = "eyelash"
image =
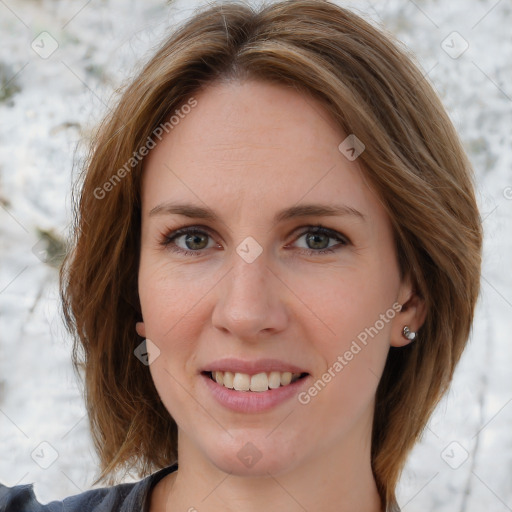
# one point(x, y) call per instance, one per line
point(168, 239)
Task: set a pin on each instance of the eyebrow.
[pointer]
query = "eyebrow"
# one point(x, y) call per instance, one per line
point(306, 210)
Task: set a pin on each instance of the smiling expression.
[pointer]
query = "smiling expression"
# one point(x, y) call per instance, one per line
point(288, 258)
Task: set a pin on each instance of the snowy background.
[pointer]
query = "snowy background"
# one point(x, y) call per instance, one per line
point(60, 63)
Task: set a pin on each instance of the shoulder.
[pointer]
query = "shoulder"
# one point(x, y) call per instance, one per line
point(119, 498)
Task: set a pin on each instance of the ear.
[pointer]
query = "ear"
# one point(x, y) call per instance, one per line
point(141, 329)
point(412, 314)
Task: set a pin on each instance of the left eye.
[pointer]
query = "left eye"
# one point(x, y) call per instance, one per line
point(196, 240)
point(317, 239)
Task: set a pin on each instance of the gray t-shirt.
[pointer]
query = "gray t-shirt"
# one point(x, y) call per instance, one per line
point(129, 497)
point(132, 497)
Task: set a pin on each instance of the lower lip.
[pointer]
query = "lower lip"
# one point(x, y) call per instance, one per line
point(252, 401)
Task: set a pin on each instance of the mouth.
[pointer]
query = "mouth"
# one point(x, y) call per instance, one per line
point(257, 383)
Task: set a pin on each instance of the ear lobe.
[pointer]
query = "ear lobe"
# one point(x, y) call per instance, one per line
point(412, 315)
point(141, 329)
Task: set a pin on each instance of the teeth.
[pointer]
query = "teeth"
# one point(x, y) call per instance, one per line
point(241, 381)
point(228, 379)
point(286, 378)
point(274, 380)
point(258, 382)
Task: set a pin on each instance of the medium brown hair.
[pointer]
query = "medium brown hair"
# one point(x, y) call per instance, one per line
point(413, 159)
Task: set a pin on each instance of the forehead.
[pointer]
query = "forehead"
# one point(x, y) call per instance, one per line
point(252, 146)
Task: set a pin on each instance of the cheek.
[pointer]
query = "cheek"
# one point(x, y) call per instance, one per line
point(356, 312)
point(342, 393)
point(167, 294)
point(338, 304)
point(170, 311)
point(172, 323)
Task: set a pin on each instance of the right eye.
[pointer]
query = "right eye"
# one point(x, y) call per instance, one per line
point(193, 241)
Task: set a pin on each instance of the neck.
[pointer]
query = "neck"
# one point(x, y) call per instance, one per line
point(338, 481)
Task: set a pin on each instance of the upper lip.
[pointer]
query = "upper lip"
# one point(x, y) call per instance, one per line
point(251, 367)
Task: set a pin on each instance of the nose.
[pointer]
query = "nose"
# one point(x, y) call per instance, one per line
point(250, 301)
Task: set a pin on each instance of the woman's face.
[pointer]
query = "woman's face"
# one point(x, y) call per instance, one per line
point(254, 290)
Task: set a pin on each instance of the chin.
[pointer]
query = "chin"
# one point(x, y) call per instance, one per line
point(261, 468)
point(253, 455)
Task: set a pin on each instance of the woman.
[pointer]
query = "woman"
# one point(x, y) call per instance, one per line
point(276, 263)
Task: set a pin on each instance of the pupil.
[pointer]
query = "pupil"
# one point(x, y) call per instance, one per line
point(313, 239)
point(196, 239)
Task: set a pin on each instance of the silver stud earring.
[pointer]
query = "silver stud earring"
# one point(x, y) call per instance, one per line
point(407, 333)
